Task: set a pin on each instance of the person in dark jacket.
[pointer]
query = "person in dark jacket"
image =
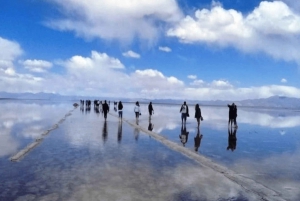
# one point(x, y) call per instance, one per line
point(105, 108)
point(150, 109)
point(231, 114)
point(120, 109)
point(198, 115)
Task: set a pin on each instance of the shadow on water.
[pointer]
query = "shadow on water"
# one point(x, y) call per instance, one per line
point(232, 139)
point(104, 132)
point(119, 131)
point(184, 135)
point(198, 139)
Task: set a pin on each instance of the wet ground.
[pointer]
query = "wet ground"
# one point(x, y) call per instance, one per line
point(86, 158)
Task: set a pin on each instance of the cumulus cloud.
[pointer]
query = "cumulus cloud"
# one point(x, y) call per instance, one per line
point(165, 49)
point(197, 82)
point(283, 80)
point(37, 66)
point(122, 20)
point(192, 77)
point(131, 54)
point(11, 51)
point(267, 27)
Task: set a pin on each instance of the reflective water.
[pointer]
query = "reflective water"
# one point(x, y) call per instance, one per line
point(86, 158)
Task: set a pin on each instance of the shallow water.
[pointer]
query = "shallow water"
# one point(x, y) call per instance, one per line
point(86, 158)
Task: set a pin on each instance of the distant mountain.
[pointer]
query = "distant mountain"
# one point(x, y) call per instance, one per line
point(271, 102)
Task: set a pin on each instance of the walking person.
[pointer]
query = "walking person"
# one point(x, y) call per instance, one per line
point(198, 115)
point(137, 111)
point(150, 109)
point(120, 109)
point(105, 108)
point(184, 112)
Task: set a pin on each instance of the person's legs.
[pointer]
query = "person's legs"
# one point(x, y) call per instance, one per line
point(198, 121)
point(105, 115)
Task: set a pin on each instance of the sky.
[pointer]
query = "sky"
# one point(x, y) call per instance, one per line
point(158, 49)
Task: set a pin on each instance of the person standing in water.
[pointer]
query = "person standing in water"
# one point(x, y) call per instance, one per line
point(120, 109)
point(150, 109)
point(184, 112)
point(198, 115)
point(105, 108)
point(137, 111)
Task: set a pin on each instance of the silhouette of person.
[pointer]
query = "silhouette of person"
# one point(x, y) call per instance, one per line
point(231, 114)
point(234, 115)
point(198, 115)
point(184, 112)
point(120, 109)
point(198, 139)
point(232, 139)
point(105, 108)
point(151, 126)
point(120, 131)
point(137, 111)
point(184, 135)
point(104, 132)
point(150, 109)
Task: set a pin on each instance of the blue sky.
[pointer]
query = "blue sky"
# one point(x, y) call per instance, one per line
point(202, 50)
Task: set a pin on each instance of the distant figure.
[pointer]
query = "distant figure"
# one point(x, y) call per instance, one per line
point(197, 140)
point(235, 115)
point(231, 114)
point(150, 109)
point(75, 105)
point(184, 112)
point(120, 109)
point(137, 111)
point(198, 115)
point(120, 132)
point(184, 135)
point(232, 139)
point(105, 108)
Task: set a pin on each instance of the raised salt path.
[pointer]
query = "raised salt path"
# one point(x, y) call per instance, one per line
point(260, 191)
point(39, 139)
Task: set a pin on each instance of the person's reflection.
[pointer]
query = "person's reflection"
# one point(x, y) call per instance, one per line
point(136, 134)
point(97, 111)
point(231, 139)
point(82, 108)
point(104, 132)
point(184, 135)
point(198, 139)
point(120, 132)
point(151, 125)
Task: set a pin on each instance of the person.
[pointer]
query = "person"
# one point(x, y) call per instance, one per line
point(198, 115)
point(137, 110)
point(235, 115)
point(120, 109)
point(105, 108)
point(231, 114)
point(197, 140)
point(184, 112)
point(184, 135)
point(150, 109)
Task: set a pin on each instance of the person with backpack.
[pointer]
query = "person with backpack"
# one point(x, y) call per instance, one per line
point(184, 110)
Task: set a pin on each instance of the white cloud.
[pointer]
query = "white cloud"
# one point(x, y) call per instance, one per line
point(192, 77)
point(38, 66)
point(197, 83)
point(221, 84)
point(267, 27)
point(10, 50)
point(122, 20)
point(131, 54)
point(283, 80)
point(165, 49)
